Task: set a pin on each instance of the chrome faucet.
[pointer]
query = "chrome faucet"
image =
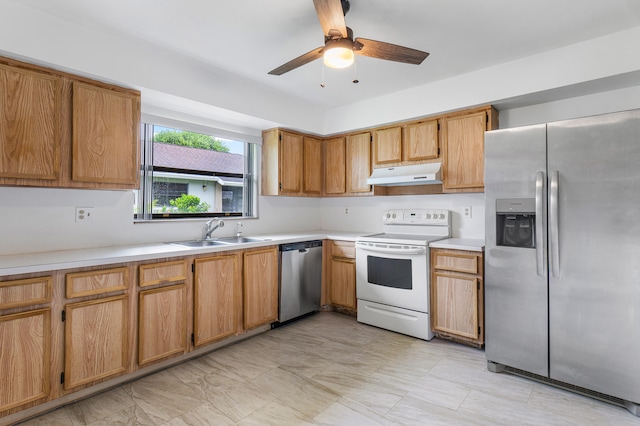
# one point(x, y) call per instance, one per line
point(238, 231)
point(208, 228)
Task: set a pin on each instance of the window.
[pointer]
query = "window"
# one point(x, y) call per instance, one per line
point(187, 174)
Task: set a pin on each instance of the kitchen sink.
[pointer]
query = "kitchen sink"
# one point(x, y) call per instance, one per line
point(240, 240)
point(224, 241)
point(200, 243)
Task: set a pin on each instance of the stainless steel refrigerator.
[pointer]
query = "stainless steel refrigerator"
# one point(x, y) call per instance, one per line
point(562, 269)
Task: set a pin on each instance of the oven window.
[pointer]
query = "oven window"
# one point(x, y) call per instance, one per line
point(394, 273)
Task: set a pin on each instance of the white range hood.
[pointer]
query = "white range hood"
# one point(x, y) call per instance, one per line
point(417, 174)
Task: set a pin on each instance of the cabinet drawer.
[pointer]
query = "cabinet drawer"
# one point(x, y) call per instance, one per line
point(343, 249)
point(31, 291)
point(459, 262)
point(166, 272)
point(97, 282)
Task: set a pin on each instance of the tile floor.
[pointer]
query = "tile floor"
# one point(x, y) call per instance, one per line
point(329, 369)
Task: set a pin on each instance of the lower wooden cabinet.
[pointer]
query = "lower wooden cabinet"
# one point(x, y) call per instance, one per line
point(162, 323)
point(96, 340)
point(342, 274)
point(25, 340)
point(162, 311)
point(260, 286)
point(217, 298)
point(457, 295)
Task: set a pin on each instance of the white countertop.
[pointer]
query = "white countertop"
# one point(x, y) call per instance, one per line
point(67, 259)
point(471, 244)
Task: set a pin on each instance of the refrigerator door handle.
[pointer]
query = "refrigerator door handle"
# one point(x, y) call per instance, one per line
point(540, 224)
point(553, 225)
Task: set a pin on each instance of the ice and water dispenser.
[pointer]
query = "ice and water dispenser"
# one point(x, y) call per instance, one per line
point(516, 222)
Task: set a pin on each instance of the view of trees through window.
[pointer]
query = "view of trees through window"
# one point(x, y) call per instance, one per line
point(192, 174)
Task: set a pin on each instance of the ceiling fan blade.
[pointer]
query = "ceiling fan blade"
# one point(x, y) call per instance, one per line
point(331, 16)
point(298, 62)
point(390, 52)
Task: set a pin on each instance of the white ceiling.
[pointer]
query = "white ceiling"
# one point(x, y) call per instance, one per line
point(248, 38)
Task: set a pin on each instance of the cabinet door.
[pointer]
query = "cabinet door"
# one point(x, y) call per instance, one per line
point(97, 282)
point(96, 335)
point(217, 298)
point(343, 282)
point(290, 169)
point(25, 349)
point(30, 291)
point(162, 324)
point(359, 162)
point(455, 304)
point(312, 173)
point(105, 136)
point(463, 166)
point(421, 141)
point(387, 146)
point(335, 177)
point(260, 287)
point(30, 107)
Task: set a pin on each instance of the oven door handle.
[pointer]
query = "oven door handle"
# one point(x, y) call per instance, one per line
point(385, 250)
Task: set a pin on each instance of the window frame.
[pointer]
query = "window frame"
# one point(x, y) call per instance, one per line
point(145, 192)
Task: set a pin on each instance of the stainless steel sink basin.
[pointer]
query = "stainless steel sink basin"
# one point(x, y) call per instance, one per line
point(240, 240)
point(200, 243)
point(224, 241)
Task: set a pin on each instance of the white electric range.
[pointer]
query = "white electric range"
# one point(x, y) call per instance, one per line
point(392, 271)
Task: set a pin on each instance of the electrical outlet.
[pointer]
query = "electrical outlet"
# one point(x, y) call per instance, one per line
point(467, 211)
point(84, 214)
point(346, 210)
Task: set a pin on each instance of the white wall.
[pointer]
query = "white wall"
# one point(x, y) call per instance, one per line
point(365, 213)
point(37, 220)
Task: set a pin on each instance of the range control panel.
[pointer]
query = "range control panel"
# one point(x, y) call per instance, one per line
point(416, 217)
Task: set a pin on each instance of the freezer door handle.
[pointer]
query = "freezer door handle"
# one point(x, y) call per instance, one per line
point(553, 225)
point(540, 224)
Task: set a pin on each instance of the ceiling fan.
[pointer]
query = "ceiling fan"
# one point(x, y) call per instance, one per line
point(340, 46)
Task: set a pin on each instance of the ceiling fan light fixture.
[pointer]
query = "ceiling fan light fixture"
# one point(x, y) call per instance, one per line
point(338, 53)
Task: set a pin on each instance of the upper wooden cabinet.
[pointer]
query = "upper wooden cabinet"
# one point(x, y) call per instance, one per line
point(312, 165)
point(358, 163)
point(291, 163)
point(30, 105)
point(347, 165)
point(408, 144)
point(335, 166)
point(105, 135)
point(420, 141)
point(65, 131)
point(463, 149)
point(387, 146)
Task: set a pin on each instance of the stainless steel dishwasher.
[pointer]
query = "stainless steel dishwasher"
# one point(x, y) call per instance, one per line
point(300, 279)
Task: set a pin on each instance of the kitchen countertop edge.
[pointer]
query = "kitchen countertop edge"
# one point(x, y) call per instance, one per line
point(28, 263)
point(469, 244)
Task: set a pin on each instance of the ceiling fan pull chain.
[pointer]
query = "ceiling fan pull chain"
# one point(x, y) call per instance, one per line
point(322, 77)
point(355, 73)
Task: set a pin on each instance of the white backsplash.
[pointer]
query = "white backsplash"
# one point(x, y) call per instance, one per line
point(365, 213)
point(38, 219)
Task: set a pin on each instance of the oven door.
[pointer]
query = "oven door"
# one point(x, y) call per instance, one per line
point(393, 274)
